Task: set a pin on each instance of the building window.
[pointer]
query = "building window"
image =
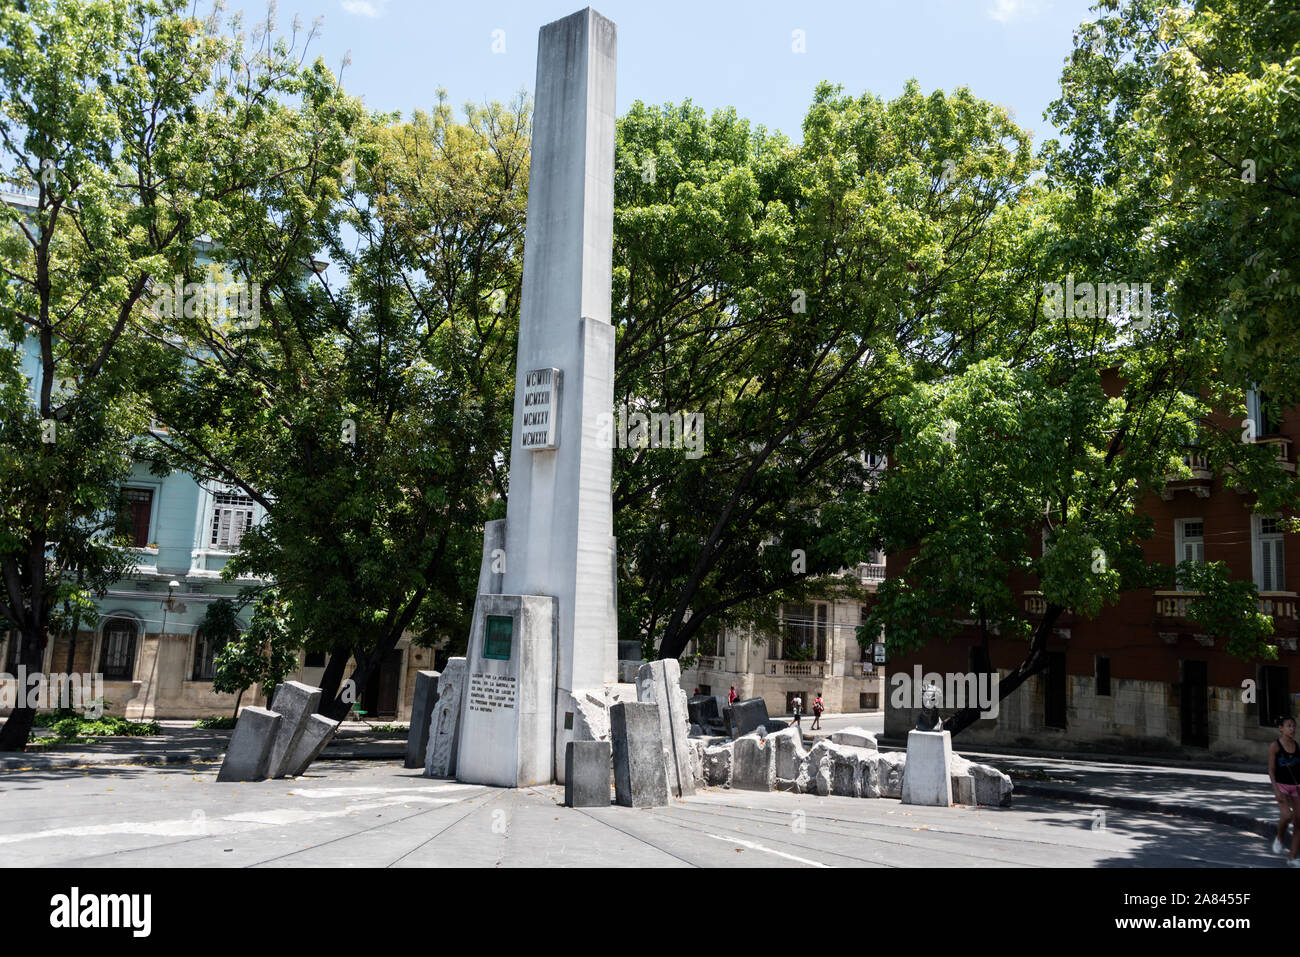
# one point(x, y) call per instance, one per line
point(1103, 676)
point(205, 657)
point(117, 659)
point(706, 690)
point(1270, 561)
point(803, 632)
point(868, 701)
point(1262, 410)
point(232, 516)
point(1275, 694)
point(1190, 542)
point(139, 508)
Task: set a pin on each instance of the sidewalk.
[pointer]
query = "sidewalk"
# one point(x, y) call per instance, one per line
point(181, 743)
point(1241, 799)
point(1236, 798)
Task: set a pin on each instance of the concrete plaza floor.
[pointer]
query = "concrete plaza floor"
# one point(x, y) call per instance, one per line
point(378, 814)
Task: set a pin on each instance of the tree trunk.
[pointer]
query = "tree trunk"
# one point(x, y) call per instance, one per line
point(238, 697)
point(367, 665)
point(18, 728)
point(1035, 661)
point(330, 681)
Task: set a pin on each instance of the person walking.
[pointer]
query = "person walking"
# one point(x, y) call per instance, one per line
point(731, 695)
point(796, 706)
point(818, 708)
point(1284, 772)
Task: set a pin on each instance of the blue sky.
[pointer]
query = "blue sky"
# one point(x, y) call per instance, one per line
point(715, 52)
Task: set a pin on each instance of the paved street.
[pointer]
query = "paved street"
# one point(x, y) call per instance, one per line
point(376, 813)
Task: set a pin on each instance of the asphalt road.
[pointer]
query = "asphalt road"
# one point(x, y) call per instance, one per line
point(366, 814)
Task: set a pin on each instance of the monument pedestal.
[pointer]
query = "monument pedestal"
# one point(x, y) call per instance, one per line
point(508, 703)
point(925, 775)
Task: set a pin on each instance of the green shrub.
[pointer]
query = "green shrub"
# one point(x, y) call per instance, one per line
point(224, 723)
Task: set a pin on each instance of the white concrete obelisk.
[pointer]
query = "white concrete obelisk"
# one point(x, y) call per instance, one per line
point(558, 536)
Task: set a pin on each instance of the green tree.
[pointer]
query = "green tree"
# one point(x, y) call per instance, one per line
point(785, 293)
point(368, 418)
point(265, 654)
point(115, 120)
point(1190, 111)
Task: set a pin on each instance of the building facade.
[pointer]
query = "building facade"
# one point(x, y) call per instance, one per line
point(810, 649)
point(1142, 677)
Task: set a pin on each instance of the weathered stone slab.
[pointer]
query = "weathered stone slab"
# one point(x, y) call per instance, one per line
point(444, 724)
point(426, 696)
point(311, 743)
point(703, 710)
point(717, 765)
point(991, 787)
point(926, 779)
point(842, 770)
point(854, 738)
point(752, 764)
point(294, 702)
point(890, 767)
point(788, 757)
point(747, 716)
point(586, 773)
point(661, 682)
point(640, 778)
point(697, 746)
point(248, 758)
point(963, 789)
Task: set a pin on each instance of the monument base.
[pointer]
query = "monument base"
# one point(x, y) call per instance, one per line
point(925, 775)
point(508, 702)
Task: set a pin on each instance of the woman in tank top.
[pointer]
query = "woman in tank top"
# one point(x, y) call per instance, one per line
point(1284, 772)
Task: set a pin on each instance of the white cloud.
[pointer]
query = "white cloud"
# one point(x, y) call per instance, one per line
point(365, 8)
point(1008, 10)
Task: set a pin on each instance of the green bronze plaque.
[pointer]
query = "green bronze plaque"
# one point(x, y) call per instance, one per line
point(496, 637)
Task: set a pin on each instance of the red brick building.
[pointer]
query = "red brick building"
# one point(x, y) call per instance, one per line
point(1141, 677)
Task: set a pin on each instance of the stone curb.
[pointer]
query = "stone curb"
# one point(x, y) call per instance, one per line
point(1235, 819)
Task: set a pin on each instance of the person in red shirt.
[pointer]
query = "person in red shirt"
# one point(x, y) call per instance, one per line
point(732, 696)
point(818, 708)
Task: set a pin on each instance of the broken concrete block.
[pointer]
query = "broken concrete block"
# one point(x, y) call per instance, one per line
point(586, 773)
point(311, 743)
point(789, 757)
point(444, 724)
point(661, 682)
point(426, 696)
point(889, 767)
point(746, 716)
point(854, 738)
point(752, 764)
point(696, 748)
point(640, 778)
point(992, 787)
point(294, 702)
point(248, 757)
point(717, 765)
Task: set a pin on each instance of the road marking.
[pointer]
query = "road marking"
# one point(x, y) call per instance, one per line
point(766, 850)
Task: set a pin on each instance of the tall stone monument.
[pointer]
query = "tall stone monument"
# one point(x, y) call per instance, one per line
point(545, 619)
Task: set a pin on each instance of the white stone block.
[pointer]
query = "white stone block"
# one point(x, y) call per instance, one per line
point(926, 779)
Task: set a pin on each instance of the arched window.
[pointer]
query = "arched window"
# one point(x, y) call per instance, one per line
point(117, 659)
point(205, 656)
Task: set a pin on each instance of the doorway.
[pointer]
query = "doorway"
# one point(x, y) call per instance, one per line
point(1195, 704)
